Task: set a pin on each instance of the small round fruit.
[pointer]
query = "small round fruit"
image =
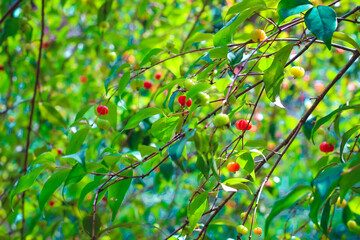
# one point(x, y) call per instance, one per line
point(170, 45)
point(154, 59)
point(104, 25)
point(131, 59)
point(242, 230)
point(258, 231)
point(158, 75)
point(136, 84)
point(326, 147)
point(103, 124)
point(319, 86)
point(242, 215)
point(11, 118)
point(59, 151)
point(188, 102)
point(111, 56)
point(258, 35)
point(241, 124)
point(183, 71)
point(188, 83)
point(202, 98)
point(342, 203)
point(351, 224)
point(102, 110)
point(45, 45)
point(233, 167)
point(147, 84)
point(221, 120)
point(51, 203)
point(2, 68)
point(83, 79)
point(297, 72)
point(182, 100)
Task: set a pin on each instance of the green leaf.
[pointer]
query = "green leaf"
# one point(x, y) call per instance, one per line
point(49, 113)
point(152, 52)
point(77, 140)
point(202, 165)
point(81, 113)
point(11, 27)
point(104, 11)
point(354, 205)
point(246, 4)
point(274, 75)
point(327, 118)
point(308, 126)
point(325, 217)
point(176, 150)
point(88, 188)
point(79, 157)
point(349, 178)
point(200, 87)
point(147, 150)
point(237, 183)
point(196, 209)
point(46, 157)
point(219, 52)
point(345, 138)
point(88, 224)
point(25, 182)
point(235, 58)
point(198, 37)
point(247, 163)
point(344, 37)
point(285, 203)
point(224, 35)
point(223, 222)
point(173, 65)
point(321, 21)
point(315, 207)
point(287, 8)
point(327, 180)
point(164, 128)
point(142, 115)
point(124, 80)
point(222, 84)
point(51, 185)
point(116, 194)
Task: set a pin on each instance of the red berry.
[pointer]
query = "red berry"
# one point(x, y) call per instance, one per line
point(83, 79)
point(158, 75)
point(182, 100)
point(326, 147)
point(233, 167)
point(59, 151)
point(241, 124)
point(2, 68)
point(46, 45)
point(102, 110)
point(189, 102)
point(51, 203)
point(147, 85)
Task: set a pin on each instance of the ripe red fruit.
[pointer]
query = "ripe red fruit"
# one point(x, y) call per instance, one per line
point(241, 124)
point(158, 75)
point(182, 100)
point(102, 110)
point(51, 203)
point(147, 85)
point(189, 102)
point(233, 167)
point(83, 79)
point(46, 45)
point(326, 147)
point(2, 68)
point(59, 151)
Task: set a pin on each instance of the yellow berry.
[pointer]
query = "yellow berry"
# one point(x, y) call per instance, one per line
point(258, 35)
point(351, 224)
point(242, 230)
point(340, 203)
point(297, 71)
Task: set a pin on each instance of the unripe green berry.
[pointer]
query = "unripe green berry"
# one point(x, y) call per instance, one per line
point(202, 98)
point(136, 84)
point(154, 59)
point(104, 25)
point(351, 224)
point(188, 83)
point(103, 124)
point(232, 99)
point(111, 56)
point(221, 120)
point(170, 45)
point(242, 230)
